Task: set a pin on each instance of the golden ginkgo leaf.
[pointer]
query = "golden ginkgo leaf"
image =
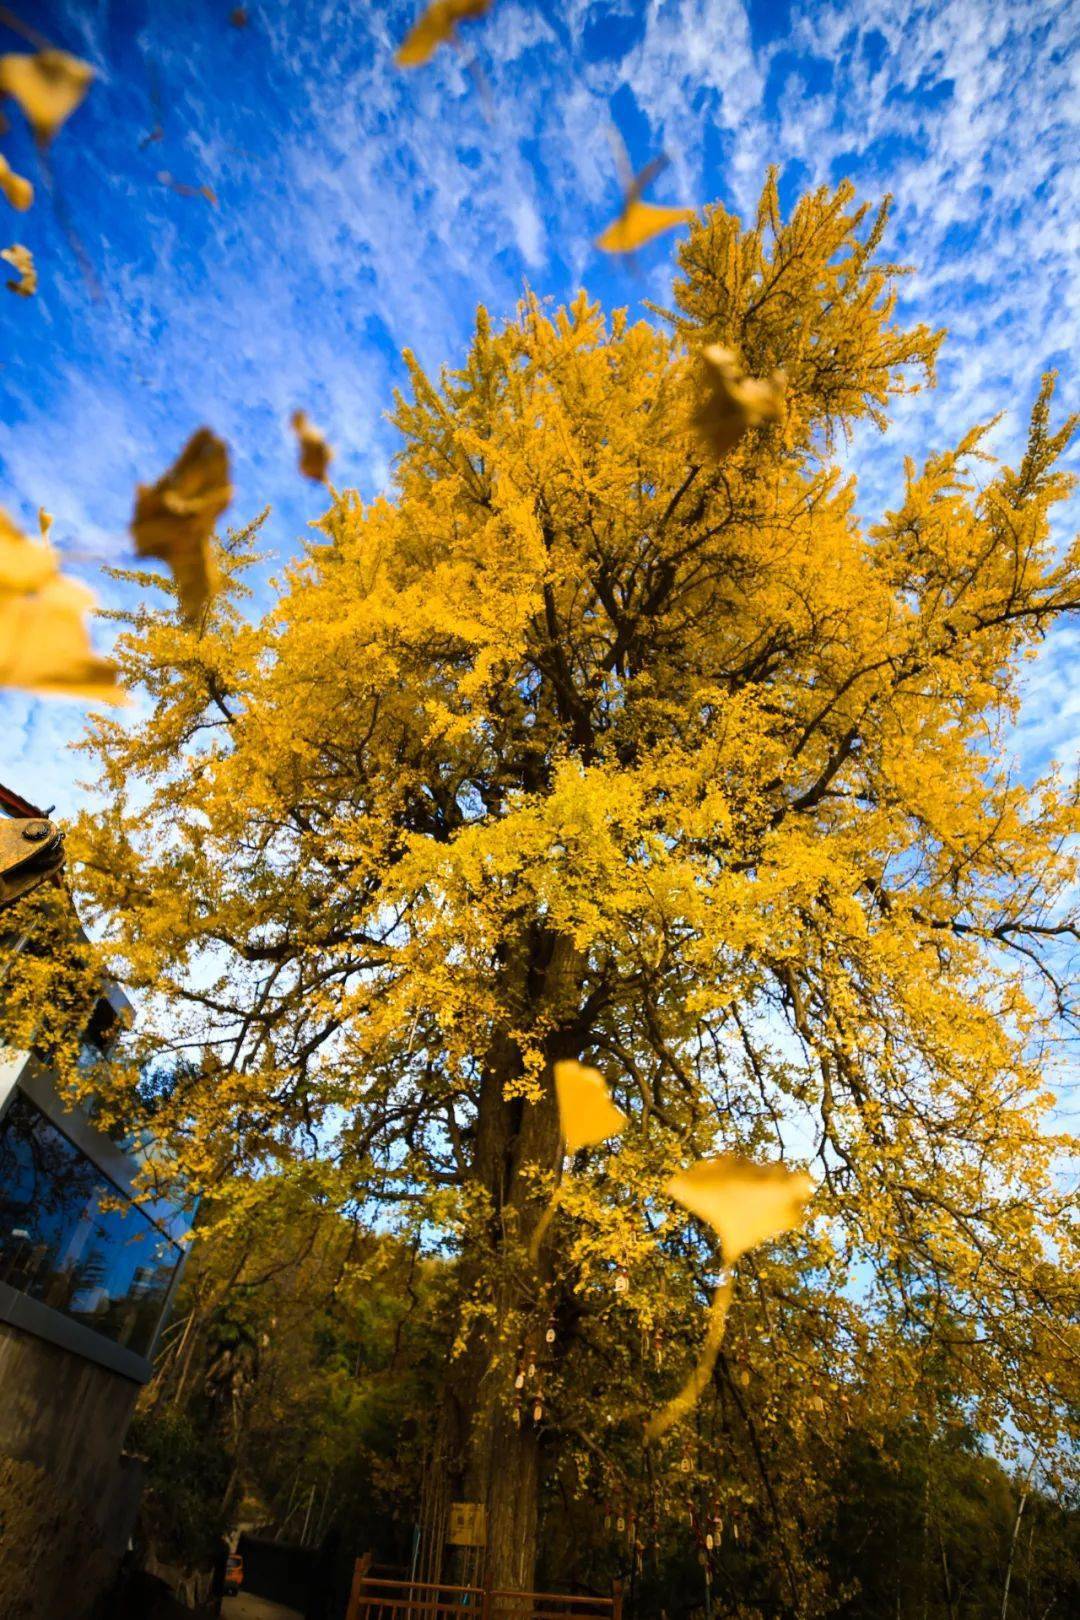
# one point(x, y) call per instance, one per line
point(745, 1203)
point(48, 87)
point(731, 402)
point(587, 1114)
point(315, 454)
point(25, 564)
point(638, 223)
point(175, 517)
point(19, 192)
point(45, 522)
point(23, 260)
point(436, 26)
point(45, 646)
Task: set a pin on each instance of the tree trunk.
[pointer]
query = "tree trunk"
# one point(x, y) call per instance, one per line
point(946, 1578)
point(504, 1472)
point(490, 1457)
point(1012, 1551)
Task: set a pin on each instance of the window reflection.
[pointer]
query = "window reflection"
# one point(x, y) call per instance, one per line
point(70, 1238)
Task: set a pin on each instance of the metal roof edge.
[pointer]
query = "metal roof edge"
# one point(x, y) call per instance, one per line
point(13, 804)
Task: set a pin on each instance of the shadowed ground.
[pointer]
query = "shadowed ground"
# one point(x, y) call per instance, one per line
point(246, 1606)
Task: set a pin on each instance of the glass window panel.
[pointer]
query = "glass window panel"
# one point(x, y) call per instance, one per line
point(70, 1238)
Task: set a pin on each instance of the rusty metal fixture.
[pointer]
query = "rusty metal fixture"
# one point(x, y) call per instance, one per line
point(31, 851)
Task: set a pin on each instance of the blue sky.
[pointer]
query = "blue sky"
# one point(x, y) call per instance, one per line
point(362, 209)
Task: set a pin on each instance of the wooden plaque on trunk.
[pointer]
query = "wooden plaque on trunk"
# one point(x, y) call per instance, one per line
point(468, 1526)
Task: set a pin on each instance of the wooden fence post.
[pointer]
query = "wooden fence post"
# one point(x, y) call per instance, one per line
point(360, 1569)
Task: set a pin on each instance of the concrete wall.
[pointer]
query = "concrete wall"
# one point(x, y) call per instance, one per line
point(67, 1499)
point(52, 1562)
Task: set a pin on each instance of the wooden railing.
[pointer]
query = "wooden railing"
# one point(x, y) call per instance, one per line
point(373, 1598)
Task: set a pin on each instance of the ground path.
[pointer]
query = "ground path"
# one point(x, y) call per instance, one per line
point(246, 1606)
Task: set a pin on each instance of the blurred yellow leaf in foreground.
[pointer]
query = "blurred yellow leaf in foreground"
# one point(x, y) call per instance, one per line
point(587, 1116)
point(745, 1203)
point(23, 260)
point(732, 402)
point(586, 1112)
point(638, 223)
point(44, 642)
point(436, 26)
point(24, 566)
point(48, 86)
point(175, 517)
point(315, 454)
point(19, 192)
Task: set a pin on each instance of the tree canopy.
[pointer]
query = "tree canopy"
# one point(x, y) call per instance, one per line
point(582, 742)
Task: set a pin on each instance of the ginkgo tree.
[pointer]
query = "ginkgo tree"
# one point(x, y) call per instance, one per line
point(590, 742)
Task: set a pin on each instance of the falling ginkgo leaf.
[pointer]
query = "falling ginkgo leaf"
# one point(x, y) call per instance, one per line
point(745, 1204)
point(45, 646)
point(48, 86)
point(175, 517)
point(587, 1114)
point(638, 223)
point(45, 522)
point(437, 26)
point(184, 190)
point(44, 643)
point(731, 402)
point(315, 453)
point(24, 566)
point(19, 192)
point(23, 261)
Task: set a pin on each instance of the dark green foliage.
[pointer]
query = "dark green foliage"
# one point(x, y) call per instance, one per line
point(924, 1528)
point(299, 1388)
point(187, 1473)
point(304, 1352)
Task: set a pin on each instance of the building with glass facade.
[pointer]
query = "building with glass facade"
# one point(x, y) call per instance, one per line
point(81, 1263)
point(88, 1268)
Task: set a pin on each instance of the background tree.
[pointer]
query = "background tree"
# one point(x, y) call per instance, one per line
point(287, 1391)
point(890, 1514)
point(583, 743)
